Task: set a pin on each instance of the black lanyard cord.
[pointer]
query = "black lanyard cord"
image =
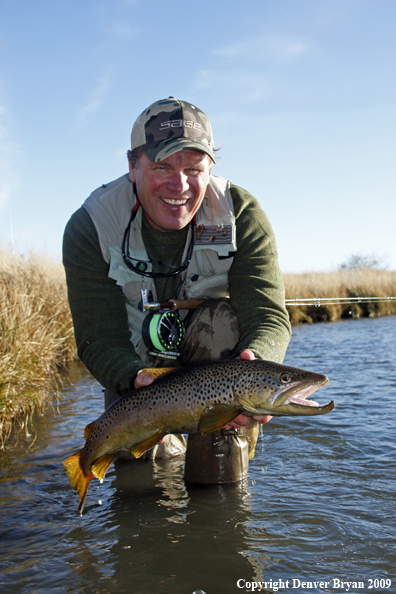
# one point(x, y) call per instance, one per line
point(128, 259)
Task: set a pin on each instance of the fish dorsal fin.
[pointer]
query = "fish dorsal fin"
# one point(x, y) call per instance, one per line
point(147, 444)
point(156, 372)
point(252, 431)
point(216, 416)
point(100, 466)
point(88, 429)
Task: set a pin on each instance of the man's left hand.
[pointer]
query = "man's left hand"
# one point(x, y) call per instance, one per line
point(241, 420)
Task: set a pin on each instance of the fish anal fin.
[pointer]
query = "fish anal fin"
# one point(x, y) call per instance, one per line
point(216, 416)
point(147, 444)
point(88, 429)
point(100, 466)
point(78, 479)
point(252, 431)
point(156, 372)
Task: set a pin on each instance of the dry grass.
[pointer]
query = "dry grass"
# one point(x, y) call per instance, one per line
point(36, 336)
point(361, 282)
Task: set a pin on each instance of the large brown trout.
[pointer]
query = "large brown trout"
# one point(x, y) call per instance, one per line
point(187, 400)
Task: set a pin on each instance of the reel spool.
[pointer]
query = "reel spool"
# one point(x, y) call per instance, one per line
point(163, 334)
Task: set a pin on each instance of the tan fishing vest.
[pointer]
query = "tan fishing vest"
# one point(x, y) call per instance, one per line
point(207, 274)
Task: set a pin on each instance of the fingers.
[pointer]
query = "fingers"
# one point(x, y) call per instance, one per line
point(262, 418)
point(142, 379)
point(241, 420)
point(247, 354)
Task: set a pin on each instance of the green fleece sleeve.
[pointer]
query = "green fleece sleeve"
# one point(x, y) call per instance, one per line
point(98, 308)
point(255, 282)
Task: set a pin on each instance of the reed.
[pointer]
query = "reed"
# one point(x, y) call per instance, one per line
point(359, 282)
point(36, 335)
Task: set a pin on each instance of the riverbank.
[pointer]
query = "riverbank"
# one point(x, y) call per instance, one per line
point(359, 282)
point(37, 341)
point(36, 338)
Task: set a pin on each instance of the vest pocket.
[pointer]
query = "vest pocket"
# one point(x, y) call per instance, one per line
point(208, 287)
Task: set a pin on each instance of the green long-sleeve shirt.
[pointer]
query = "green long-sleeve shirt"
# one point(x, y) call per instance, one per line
point(98, 305)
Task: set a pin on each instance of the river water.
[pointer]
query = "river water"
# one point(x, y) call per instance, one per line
point(317, 509)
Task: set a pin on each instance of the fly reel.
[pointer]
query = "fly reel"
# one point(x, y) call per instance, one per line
point(163, 334)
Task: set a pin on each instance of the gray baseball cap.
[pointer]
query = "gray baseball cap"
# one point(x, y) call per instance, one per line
point(169, 126)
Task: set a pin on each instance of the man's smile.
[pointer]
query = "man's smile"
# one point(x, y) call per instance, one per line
point(173, 202)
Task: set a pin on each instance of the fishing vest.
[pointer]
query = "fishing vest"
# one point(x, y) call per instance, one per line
point(110, 208)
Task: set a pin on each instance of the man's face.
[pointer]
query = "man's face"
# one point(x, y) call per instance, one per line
point(171, 191)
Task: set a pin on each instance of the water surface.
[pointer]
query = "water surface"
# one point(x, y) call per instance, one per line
point(318, 505)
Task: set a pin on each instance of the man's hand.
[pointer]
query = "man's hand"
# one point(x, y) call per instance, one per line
point(142, 379)
point(241, 420)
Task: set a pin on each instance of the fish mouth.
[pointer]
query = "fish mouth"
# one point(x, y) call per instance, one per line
point(298, 396)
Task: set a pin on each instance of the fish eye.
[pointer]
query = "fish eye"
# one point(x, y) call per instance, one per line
point(285, 378)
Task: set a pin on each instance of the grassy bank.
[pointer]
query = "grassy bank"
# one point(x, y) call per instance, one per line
point(36, 336)
point(37, 343)
point(360, 282)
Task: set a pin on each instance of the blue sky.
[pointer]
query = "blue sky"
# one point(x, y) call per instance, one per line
point(300, 93)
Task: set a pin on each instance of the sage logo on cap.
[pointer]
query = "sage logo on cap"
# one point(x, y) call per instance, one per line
point(170, 125)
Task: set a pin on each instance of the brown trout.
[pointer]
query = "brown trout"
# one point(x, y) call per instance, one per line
point(187, 400)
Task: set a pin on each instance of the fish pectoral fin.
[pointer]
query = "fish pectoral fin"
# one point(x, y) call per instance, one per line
point(252, 431)
point(247, 405)
point(156, 372)
point(216, 416)
point(88, 429)
point(100, 466)
point(147, 444)
point(78, 479)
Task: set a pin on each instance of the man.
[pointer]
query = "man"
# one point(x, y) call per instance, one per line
point(170, 229)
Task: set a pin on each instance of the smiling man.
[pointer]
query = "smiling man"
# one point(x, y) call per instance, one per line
point(171, 229)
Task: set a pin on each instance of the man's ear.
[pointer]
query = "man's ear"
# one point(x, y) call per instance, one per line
point(132, 172)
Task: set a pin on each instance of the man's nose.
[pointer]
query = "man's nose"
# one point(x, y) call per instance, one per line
point(178, 182)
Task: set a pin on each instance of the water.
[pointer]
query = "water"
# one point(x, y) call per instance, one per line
point(318, 505)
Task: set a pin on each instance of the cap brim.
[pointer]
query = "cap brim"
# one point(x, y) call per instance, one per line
point(162, 150)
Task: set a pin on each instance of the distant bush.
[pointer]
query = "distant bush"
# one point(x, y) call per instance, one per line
point(356, 261)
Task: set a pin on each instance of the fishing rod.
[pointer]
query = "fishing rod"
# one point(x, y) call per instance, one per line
point(163, 329)
point(318, 301)
point(175, 305)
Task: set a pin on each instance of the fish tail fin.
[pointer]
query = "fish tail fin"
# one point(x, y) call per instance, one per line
point(78, 479)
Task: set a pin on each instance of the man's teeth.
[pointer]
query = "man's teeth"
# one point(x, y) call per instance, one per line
point(175, 202)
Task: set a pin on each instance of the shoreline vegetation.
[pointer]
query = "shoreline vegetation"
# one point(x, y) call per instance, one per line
point(36, 331)
point(36, 337)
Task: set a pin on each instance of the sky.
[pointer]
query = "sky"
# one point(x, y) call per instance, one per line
point(300, 94)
